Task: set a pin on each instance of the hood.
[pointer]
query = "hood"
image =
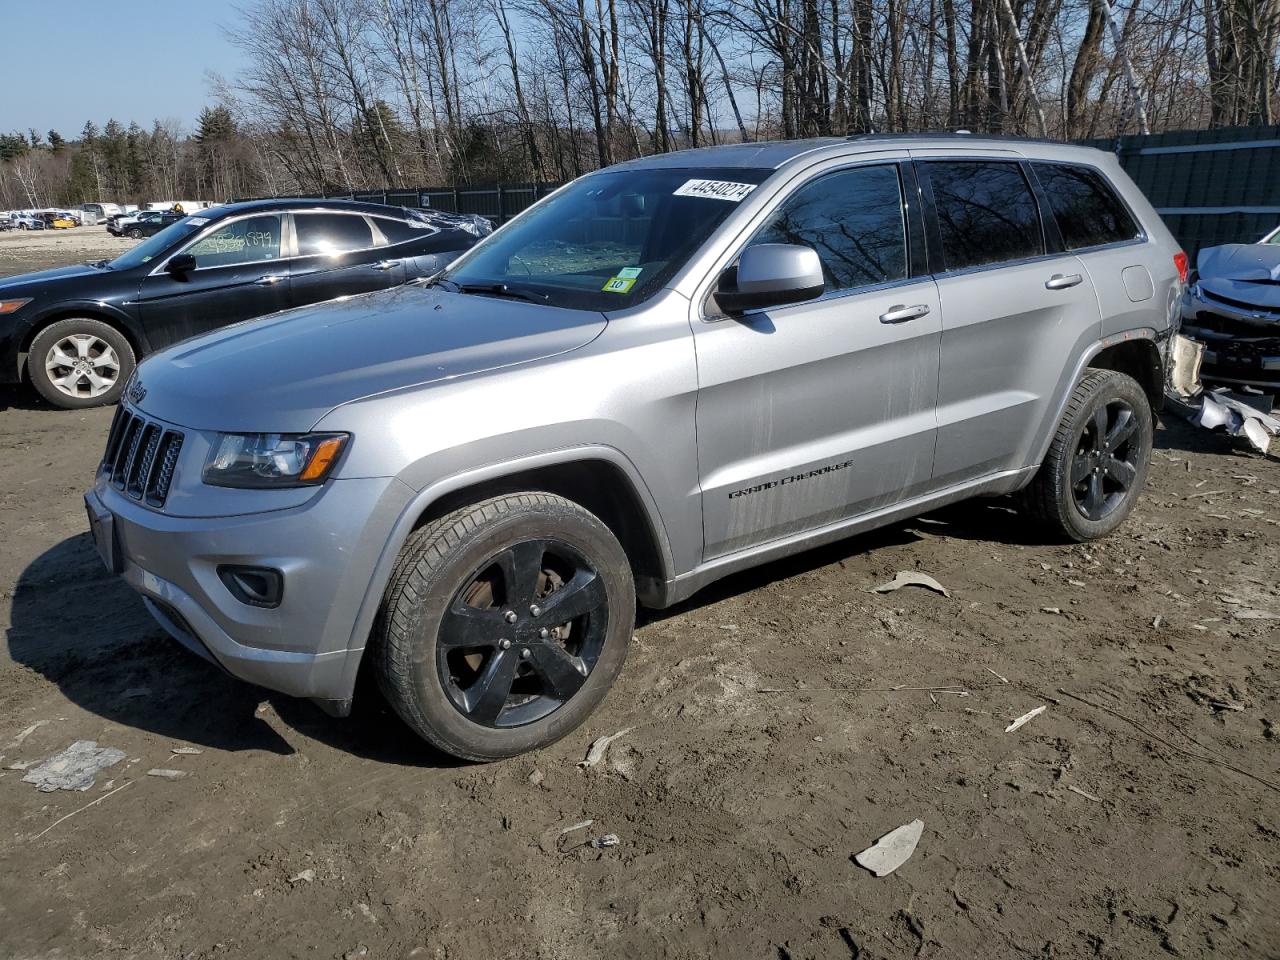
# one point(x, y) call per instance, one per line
point(283, 372)
point(1245, 272)
point(34, 283)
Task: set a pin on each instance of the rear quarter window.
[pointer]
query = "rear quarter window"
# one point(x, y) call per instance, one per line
point(1085, 205)
point(986, 212)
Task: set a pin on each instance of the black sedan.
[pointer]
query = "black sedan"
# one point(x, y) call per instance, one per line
point(77, 332)
point(151, 223)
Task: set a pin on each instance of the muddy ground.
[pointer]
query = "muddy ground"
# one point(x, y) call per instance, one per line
point(777, 726)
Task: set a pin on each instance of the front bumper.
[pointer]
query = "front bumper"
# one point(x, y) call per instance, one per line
point(1241, 348)
point(326, 548)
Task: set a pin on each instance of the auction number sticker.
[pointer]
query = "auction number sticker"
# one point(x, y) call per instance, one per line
point(198, 221)
point(715, 189)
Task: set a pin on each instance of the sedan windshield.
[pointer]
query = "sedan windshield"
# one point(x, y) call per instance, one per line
point(155, 245)
point(608, 241)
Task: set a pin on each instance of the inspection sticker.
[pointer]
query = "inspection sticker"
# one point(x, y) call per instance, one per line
point(619, 285)
point(630, 273)
point(715, 189)
point(197, 221)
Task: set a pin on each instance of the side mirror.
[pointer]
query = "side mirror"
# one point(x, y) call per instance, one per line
point(182, 263)
point(771, 275)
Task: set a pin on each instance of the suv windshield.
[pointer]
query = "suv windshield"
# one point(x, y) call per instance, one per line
point(611, 240)
point(157, 244)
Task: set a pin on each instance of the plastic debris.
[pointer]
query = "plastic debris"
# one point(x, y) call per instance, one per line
point(186, 751)
point(306, 876)
point(892, 850)
point(17, 741)
point(598, 748)
point(608, 840)
point(998, 676)
point(1086, 794)
point(536, 778)
point(168, 774)
point(1025, 718)
point(908, 578)
point(1216, 408)
point(74, 768)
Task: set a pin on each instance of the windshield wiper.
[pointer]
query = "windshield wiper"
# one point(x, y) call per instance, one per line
point(502, 290)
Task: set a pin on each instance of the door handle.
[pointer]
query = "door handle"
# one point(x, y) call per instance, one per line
point(384, 264)
point(268, 280)
point(1061, 281)
point(901, 314)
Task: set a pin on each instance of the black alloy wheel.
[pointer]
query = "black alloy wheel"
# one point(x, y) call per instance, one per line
point(1103, 471)
point(522, 635)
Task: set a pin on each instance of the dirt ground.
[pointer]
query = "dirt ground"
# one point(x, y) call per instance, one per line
point(777, 724)
point(23, 250)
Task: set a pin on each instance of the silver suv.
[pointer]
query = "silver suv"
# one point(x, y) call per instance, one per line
point(665, 372)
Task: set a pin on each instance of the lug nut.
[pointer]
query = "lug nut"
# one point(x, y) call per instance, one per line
point(544, 633)
point(524, 654)
point(510, 616)
point(505, 644)
point(535, 610)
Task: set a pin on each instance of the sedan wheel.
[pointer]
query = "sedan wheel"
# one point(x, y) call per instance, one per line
point(79, 363)
point(82, 366)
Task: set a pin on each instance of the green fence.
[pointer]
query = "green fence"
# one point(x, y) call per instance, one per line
point(1210, 186)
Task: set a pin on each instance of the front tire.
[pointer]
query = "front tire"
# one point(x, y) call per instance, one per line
point(504, 625)
point(79, 363)
point(1097, 464)
point(135, 233)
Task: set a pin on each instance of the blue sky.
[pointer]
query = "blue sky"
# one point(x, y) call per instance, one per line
point(63, 62)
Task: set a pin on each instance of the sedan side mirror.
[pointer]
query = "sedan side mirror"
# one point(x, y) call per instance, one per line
point(182, 263)
point(771, 275)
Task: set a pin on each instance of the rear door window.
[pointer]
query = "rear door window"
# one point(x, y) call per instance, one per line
point(331, 234)
point(853, 219)
point(986, 212)
point(249, 240)
point(1088, 212)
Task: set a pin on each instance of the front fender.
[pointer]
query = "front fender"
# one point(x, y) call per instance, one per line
point(422, 501)
point(115, 314)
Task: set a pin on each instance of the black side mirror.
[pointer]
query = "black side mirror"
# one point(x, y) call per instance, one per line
point(770, 275)
point(182, 263)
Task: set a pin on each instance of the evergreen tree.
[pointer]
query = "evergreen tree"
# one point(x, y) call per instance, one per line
point(56, 141)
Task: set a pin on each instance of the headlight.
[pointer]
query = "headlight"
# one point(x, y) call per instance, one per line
point(273, 459)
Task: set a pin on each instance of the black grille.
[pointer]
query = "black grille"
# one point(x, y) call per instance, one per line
point(141, 457)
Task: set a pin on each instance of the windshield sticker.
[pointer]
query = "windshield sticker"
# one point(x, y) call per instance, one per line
point(619, 284)
point(197, 221)
point(715, 190)
point(629, 273)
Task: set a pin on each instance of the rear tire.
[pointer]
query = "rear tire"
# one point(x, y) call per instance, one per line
point(1097, 464)
point(79, 363)
point(504, 625)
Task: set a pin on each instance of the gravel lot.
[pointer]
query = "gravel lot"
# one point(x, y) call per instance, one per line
point(778, 724)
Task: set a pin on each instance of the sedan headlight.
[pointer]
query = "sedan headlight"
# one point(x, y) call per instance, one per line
point(273, 459)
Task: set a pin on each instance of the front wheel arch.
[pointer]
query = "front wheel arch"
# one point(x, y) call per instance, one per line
point(71, 313)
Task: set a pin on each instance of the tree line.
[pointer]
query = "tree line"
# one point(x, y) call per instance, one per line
point(341, 95)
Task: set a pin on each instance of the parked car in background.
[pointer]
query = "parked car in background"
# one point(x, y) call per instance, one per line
point(76, 332)
point(6, 222)
point(1233, 308)
point(58, 221)
point(121, 225)
point(794, 342)
point(151, 223)
point(28, 221)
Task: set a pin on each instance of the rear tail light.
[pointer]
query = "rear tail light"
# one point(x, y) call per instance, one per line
point(1183, 267)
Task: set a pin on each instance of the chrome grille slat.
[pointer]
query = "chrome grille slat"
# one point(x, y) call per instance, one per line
point(141, 457)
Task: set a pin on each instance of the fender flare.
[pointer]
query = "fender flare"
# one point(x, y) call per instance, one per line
point(422, 500)
point(93, 309)
point(1048, 428)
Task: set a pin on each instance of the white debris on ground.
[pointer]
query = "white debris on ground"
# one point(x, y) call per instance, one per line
point(892, 850)
point(74, 768)
point(911, 578)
